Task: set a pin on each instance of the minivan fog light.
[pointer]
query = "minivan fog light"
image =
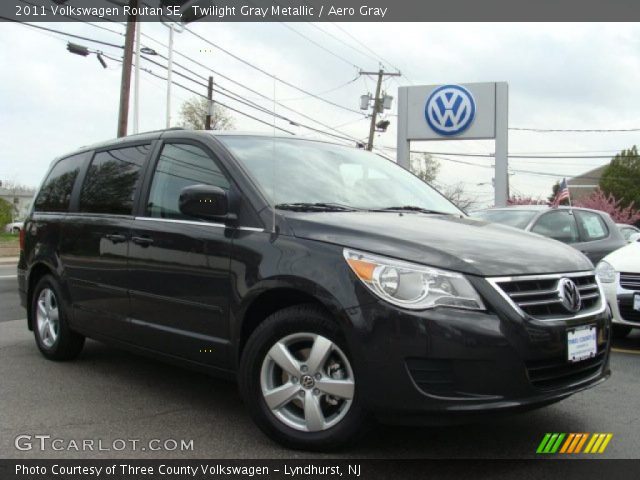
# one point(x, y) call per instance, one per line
point(412, 286)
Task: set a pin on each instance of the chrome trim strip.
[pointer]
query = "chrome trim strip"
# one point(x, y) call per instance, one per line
point(529, 293)
point(494, 281)
point(197, 223)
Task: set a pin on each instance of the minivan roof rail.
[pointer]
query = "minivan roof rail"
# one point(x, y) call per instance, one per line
point(157, 131)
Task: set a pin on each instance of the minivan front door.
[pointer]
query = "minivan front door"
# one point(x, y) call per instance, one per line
point(179, 266)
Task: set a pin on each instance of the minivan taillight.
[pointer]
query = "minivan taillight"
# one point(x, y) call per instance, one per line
point(22, 239)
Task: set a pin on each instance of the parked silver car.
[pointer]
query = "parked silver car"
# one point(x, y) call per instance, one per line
point(592, 232)
point(628, 231)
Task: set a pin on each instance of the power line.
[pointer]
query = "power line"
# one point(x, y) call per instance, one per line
point(247, 103)
point(150, 72)
point(322, 47)
point(270, 75)
point(250, 104)
point(379, 57)
point(575, 130)
point(361, 52)
point(53, 30)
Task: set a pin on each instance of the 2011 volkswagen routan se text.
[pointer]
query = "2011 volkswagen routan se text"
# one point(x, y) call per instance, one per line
point(334, 284)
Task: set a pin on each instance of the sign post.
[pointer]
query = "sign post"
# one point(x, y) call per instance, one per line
point(474, 111)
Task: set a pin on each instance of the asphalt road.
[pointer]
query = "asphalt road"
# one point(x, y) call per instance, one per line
point(107, 395)
point(10, 308)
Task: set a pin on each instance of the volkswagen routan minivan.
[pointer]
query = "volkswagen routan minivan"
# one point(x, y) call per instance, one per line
point(334, 285)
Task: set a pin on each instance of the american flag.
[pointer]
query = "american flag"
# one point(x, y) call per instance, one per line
point(563, 192)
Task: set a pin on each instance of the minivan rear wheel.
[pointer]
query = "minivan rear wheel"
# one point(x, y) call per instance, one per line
point(298, 380)
point(48, 314)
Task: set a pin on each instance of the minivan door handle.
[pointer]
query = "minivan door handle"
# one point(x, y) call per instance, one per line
point(116, 237)
point(142, 241)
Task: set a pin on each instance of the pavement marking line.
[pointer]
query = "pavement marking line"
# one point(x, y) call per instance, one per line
point(8, 276)
point(624, 350)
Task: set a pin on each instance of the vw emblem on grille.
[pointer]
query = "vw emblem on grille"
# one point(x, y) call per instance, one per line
point(450, 110)
point(569, 295)
point(307, 381)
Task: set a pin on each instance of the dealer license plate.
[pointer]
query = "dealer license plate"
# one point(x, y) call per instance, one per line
point(636, 302)
point(582, 343)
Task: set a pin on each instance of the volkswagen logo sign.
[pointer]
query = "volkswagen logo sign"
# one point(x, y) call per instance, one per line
point(569, 295)
point(450, 110)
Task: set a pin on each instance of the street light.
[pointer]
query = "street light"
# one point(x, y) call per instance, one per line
point(85, 52)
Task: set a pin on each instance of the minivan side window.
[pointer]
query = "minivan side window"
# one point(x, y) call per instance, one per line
point(179, 166)
point(112, 180)
point(559, 225)
point(55, 194)
point(593, 226)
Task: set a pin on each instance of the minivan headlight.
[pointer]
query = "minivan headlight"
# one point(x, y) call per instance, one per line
point(606, 273)
point(412, 286)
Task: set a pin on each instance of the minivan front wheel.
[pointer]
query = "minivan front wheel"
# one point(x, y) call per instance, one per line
point(298, 381)
point(53, 336)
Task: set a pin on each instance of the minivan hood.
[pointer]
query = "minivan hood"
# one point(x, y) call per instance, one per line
point(450, 242)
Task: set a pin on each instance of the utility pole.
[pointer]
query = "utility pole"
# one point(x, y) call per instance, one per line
point(378, 104)
point(125, 83)
point(169, 74)
point(136, 83)
point(207, 123)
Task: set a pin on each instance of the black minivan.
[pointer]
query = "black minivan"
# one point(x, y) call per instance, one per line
point(335, 286)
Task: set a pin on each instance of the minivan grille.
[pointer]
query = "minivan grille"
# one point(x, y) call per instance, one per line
point(540, 296)
point(549, 375)
point(630, 281)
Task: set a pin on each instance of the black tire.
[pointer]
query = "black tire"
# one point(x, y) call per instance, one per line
point(283, 323)
point(67, 344)
point(620, 331)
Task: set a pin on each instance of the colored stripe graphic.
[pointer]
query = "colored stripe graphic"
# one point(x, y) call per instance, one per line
point(573, 443)
point(567, 442)
point(550, 443)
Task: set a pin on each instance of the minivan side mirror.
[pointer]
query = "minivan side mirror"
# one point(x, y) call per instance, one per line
point(205, 202)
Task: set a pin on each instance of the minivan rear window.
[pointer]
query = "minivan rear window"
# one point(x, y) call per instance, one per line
point(112, 180)
point(55, 193)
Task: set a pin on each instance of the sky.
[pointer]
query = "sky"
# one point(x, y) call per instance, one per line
point(561, 76)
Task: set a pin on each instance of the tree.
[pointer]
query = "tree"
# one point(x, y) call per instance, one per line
point(193, 113)
point(424, 166)
point(456, 195)
point(622, 177)
point(526, 200)
point(554, 194)
point(6, 213)
point(607, 203)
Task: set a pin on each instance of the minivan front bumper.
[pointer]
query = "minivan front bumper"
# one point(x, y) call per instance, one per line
point(445, 365)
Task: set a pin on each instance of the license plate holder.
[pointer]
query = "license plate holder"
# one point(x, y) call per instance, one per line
point(582, 343)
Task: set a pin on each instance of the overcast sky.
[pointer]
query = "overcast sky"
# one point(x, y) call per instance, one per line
point(567, 76)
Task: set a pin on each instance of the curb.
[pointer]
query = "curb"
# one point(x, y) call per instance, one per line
point(9, 260)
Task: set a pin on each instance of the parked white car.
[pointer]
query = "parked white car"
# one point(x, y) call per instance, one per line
point(619, 273)
point(13, 227)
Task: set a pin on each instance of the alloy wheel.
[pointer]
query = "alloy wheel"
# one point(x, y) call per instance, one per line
point(307, 382)
point(48, 317)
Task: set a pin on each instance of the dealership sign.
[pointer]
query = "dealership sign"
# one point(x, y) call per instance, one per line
point(471, 111)
point(450, 110)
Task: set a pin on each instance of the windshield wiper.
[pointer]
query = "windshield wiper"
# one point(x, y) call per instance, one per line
point(409, 208)
point(315, 207)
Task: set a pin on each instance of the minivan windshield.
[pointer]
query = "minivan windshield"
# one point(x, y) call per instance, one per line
point(294, 172)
